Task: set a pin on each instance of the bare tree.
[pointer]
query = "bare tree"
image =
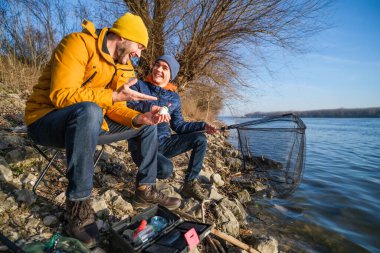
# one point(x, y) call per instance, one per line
point(31, 29)
point(215, 39)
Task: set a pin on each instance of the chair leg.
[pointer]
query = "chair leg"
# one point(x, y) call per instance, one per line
point(48, 159)
point(99, 155)
point(51, 160)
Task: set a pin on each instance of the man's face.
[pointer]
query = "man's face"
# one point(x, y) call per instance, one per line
point(126, 49)
point(161, 73)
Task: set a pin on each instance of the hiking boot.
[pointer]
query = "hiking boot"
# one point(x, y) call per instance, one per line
point(193, 189)
point(81, 222)
point(150, 195)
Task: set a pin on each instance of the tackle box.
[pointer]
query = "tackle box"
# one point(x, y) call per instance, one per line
point(169, 240)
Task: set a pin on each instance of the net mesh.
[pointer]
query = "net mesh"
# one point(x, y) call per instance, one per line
point(273, 150)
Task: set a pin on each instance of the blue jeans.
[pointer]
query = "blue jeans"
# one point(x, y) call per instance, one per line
point(77, 128)
point(178, 144)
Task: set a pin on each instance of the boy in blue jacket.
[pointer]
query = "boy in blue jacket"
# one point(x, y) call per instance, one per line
point(189, 135)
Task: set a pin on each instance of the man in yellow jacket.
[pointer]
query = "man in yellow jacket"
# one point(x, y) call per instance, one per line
point(79, 102)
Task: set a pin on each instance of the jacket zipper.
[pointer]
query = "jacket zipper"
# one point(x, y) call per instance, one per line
point(89, 79)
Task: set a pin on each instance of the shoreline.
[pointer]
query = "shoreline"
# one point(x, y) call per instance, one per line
point(27, 218)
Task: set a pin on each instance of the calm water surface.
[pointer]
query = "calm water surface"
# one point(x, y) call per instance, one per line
point(337, 206)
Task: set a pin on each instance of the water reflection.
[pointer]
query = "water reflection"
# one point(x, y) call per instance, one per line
point(337, 206)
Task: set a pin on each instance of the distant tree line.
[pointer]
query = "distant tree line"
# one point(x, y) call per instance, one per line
point(372, 112)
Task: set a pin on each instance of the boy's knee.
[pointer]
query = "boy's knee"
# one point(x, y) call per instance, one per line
point(200, 139)
point(164, 167)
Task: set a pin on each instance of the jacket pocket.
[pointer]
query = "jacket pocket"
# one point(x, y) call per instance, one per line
point(89, 79)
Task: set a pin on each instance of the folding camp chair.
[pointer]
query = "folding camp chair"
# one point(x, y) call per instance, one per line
point(51, 161)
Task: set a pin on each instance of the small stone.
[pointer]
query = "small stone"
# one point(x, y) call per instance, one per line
point(244, 196)
point(26, 196)
point(6, 174)
point(266, 244)
point(217, 179)
point(50, 220)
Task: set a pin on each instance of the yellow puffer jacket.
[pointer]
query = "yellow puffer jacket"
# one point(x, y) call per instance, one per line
point(80, 71)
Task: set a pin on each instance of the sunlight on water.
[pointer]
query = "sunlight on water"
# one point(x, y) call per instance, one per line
point(337, 206)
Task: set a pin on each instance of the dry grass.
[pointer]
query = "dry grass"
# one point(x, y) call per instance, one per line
point(191, 111)
point(16, 77)
point(19, 78)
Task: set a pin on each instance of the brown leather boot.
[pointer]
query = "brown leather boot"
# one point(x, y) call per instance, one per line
point(148, 196)
point(193, 189)
point(81, 222)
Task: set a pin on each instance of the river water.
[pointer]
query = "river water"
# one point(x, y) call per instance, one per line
point(337, 206)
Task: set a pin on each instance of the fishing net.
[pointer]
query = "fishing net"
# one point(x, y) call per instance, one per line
point(273, 152)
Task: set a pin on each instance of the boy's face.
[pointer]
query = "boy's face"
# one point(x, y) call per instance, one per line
point(126, 49)
point(161, 73)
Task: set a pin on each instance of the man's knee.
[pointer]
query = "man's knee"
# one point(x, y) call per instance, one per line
point(90, 113)
point(148, 132)
point(149, 129)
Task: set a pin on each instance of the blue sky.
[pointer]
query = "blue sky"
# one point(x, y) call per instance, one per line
point(341, 69)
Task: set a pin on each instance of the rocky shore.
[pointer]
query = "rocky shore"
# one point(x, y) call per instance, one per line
point(26, 218)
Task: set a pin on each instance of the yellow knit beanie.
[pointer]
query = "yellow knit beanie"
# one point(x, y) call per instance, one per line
point(131, 27)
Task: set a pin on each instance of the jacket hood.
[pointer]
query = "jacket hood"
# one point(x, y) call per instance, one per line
point(99, 35)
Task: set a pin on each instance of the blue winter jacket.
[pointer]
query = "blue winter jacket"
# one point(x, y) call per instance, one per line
point(177, 123)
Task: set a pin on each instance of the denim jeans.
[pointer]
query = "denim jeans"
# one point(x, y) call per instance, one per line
point(77, 129)
point(178, 144)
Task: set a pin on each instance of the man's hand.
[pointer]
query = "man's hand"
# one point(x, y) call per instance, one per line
point(210, 129)
point(149, 118)
point(124, 93)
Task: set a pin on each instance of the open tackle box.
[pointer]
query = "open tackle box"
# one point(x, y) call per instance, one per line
point(176, 236)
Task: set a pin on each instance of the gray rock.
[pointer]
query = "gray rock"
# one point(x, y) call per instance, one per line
point(12, 141)
point(244, 196)
point(234, 163)
point(100, 206)
point(15, 156)
point(6, 175)
point(228, 222)
point(3, 162)
point(109, 195)
point(102, 225)
point(205, 176)
point(50, 220)
point(195, 250)
point(214, 194)
point(13, 236)
point(97, 250)
point(4, 217)
point(217, 179)
point(259, 187)
point(28, 179)
point(266, 244)
point(192, 207)
point(61, 198)
point(121, 205)
point(236, 208)
point(26, 196)
point(170, 191)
